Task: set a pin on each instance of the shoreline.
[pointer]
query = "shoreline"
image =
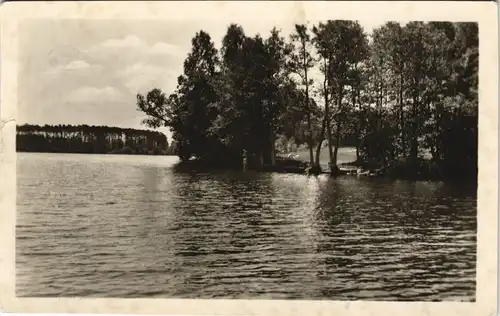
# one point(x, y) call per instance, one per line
point(350, 171)
point(294, 166)
point(93, 153)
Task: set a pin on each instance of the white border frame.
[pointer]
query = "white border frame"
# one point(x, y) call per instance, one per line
point(484, 13)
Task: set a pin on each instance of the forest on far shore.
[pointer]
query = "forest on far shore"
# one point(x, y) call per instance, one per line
point(401, 94)
point(90, 140)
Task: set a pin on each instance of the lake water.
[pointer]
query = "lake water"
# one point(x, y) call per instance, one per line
point(133, 226)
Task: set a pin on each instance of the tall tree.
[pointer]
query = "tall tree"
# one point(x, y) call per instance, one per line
point(416, 54)
point(190, 111)
point(341, 45)
point(302, 62)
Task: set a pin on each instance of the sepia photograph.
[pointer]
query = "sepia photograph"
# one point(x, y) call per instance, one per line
point(303, 158)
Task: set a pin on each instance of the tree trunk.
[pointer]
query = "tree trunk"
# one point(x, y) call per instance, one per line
point(402, 117)
point(318, 152)
point(355, 92)
point(244, 158)
point(439, 133)
point(255, 160)
point(333, 166)
point(413, 139)
point(333, 160)
point(358, 156)
point(260, 160)
point(330, 141)
point(309, 125)
point(320, 143)
point(327, 116)
point(268, 148)
point(311, 152)
point(273, 150)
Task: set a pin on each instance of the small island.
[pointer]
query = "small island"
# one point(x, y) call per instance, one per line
point(405, 96)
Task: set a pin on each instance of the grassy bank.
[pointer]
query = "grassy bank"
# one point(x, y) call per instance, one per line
point(298, 162)
point(345, 155)
point(424, 169)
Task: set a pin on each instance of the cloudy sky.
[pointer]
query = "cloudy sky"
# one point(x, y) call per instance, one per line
point(89, 71)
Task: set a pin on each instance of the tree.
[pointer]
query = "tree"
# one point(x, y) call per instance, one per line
point(189, 111)
point(426, 74)
point(341, 45)
point(89, 139)
point(301, 64)
point(397, 96)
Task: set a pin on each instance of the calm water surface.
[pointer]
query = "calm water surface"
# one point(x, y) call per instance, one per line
point(133, 226)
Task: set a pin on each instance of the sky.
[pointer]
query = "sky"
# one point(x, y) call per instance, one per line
point(90, 71)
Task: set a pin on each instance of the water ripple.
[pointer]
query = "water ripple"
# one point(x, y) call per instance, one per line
point(128, 226)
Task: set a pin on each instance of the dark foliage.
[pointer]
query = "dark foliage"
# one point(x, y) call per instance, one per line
point(89, 139)
point(405, 96)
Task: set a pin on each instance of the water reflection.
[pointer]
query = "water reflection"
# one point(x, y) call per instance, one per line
point(148, 229)
point(407, 236)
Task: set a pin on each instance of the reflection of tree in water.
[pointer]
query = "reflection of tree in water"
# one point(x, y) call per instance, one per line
point(218, 218)
point(440, 223)
point(370, 227)
point(337, 220)
point(427, 207)
point(336, 200)
point(243, 233)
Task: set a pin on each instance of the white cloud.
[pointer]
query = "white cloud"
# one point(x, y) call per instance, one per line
point(76, 65)
point(94, 95)
point(138, 45)
point(140, 77)
point(126, 42)
point(140, 68)
point(161, 48)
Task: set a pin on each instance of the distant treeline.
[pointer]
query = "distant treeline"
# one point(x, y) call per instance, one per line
point(90, 139)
